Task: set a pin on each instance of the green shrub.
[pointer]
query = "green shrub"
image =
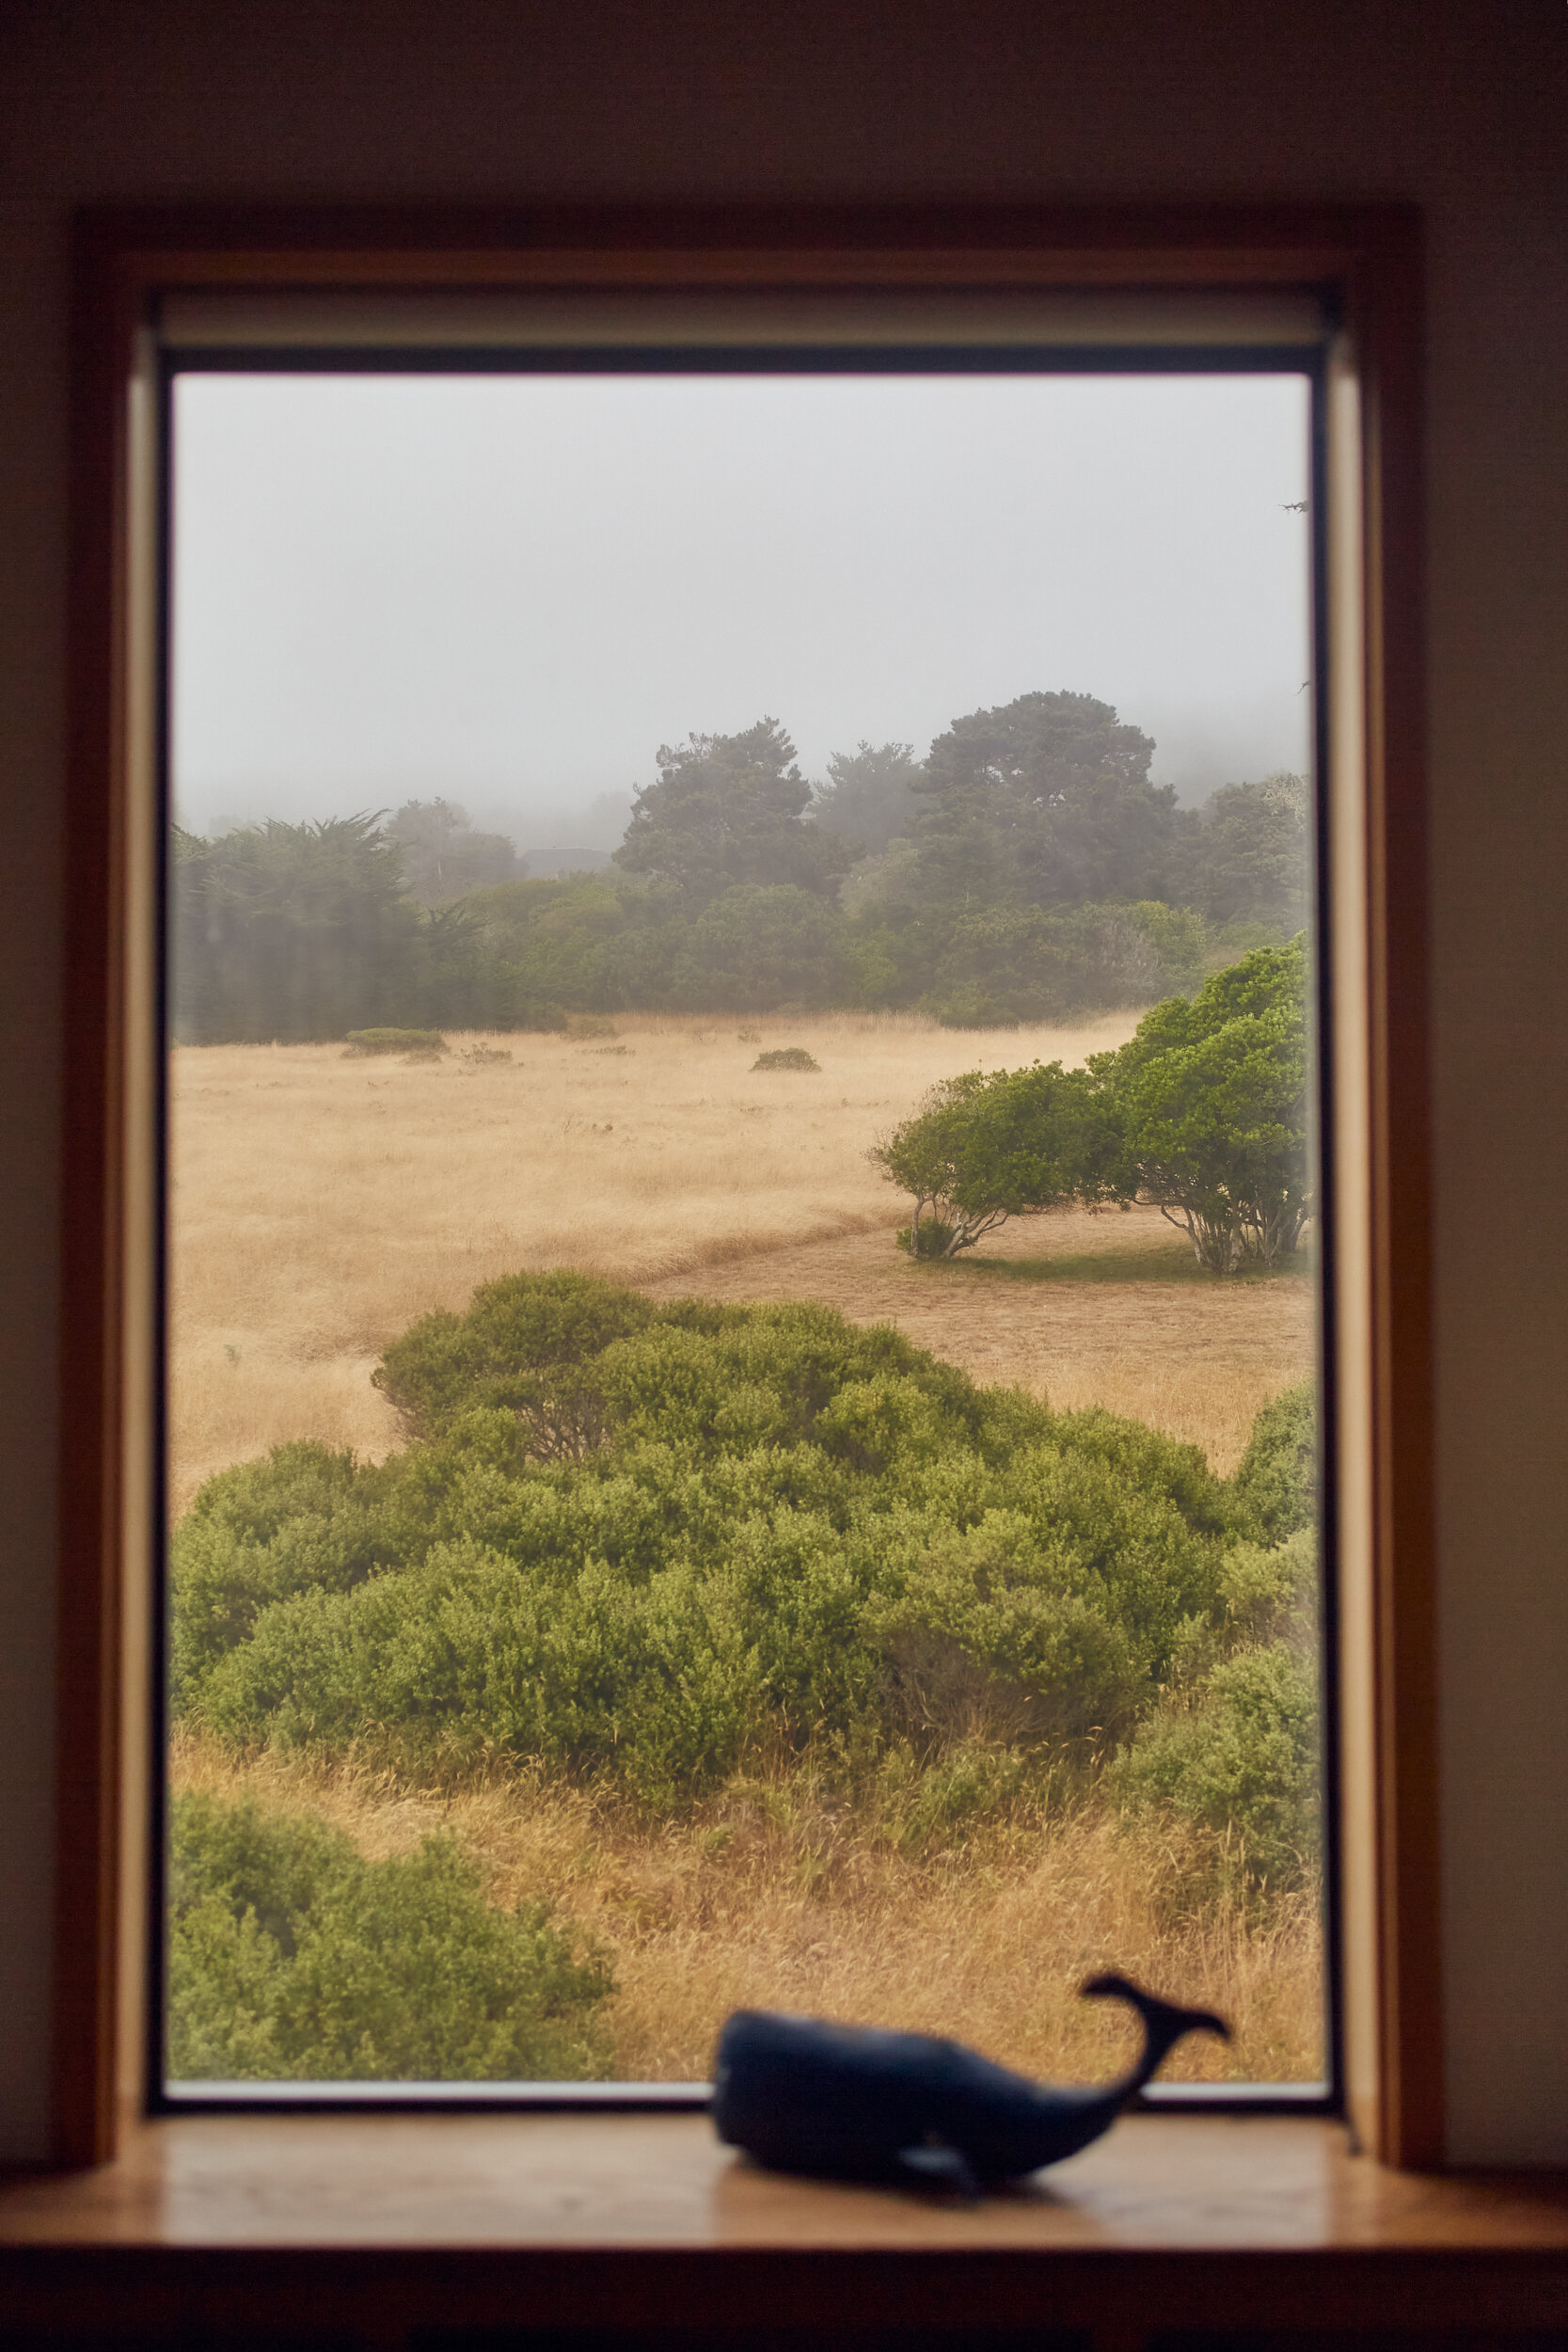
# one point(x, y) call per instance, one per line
point(519, 1347)
point(786, 1058)
point(930, 1238)
point(421, 1042)
point(1271, 1591)
point(305, 1519)
point(590, 1025)
point(487, 1057)
point(1242, 1760)
point(1277, 1484)
point(1235, 1748)
point(649, 1542)
point(983, 1148)
point(293, 1958)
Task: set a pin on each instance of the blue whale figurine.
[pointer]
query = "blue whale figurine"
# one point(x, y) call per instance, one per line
point(856, 2103)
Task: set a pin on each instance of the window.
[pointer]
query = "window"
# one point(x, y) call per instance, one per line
point(276, 337)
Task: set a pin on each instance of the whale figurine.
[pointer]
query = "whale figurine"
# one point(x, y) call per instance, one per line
point(856, 2103)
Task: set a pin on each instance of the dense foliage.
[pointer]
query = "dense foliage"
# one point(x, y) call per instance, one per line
point(444, 858)
point(1043, 802)
point(982, 1148)
point(1202, 1114)
point(1235, 1745)
point(1249, 860)
point(649, 1546)
point(1027, 870)
point(291, 932)
point(729, 810)
point(302, 933)
point(868, 795)
point(293, 1958)
point(1212, 1102)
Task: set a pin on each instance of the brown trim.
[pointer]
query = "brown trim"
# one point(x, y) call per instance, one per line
point(1386, 316)
point(1367, 259)
point(87, 1876)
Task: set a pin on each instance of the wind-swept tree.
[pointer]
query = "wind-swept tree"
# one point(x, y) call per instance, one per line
point(869, 798)
point(984, 1147)
point(1203, 1115)
point(292, 931)
point(1211, 1094)
point(729, 809)
point(1249, 858)
point(1043, 801)
point(442, 856)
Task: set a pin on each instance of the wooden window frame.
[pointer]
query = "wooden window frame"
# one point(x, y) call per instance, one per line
point(1364, 262)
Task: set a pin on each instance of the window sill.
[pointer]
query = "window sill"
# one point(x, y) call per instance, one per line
point(369, 2228)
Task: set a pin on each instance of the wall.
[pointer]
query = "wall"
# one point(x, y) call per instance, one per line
point(1456, 104)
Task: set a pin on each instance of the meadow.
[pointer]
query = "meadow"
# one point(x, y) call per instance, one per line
point(774, 1896)
point(323, 1203)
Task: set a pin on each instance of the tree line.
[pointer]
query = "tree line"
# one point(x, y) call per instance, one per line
point(1028, 868)
point(1203, 1114)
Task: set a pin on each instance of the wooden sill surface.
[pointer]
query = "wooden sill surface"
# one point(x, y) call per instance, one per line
point(664, 2179)
point(613, 2221)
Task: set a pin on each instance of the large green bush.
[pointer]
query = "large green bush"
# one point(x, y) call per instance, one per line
point(1235, 1748)
point(1276, 1484)
point(1212, 1096)
point(523, 1347)
point(992, 1145)
point(293, 1958)
point(646, 1543)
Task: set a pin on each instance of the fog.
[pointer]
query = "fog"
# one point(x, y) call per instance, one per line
point(512, 589)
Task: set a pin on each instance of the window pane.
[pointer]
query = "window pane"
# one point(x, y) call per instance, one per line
point(743, 1330)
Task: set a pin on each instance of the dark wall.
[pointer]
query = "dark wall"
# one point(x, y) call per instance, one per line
point(1459, 105)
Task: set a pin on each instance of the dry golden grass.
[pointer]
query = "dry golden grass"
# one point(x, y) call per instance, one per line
point(771, 1898)
point(321, 1203)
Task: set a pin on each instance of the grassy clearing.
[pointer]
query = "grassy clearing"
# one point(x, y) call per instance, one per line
point(321, 1205)
point(770, 1896)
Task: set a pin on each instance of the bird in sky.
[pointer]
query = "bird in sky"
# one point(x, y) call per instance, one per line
point(1297, 506)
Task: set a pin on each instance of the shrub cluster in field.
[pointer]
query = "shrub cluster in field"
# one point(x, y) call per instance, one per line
point(786, 1058)
point(1202, 1114)
point(648, 1545)
point(292, 1959)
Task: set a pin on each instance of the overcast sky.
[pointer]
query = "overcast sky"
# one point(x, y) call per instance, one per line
point(511, 590)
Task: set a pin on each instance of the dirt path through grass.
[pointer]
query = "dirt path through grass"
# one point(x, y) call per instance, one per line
point(321, 1204)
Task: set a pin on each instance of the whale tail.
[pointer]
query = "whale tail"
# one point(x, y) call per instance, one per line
point(1163, 2023)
